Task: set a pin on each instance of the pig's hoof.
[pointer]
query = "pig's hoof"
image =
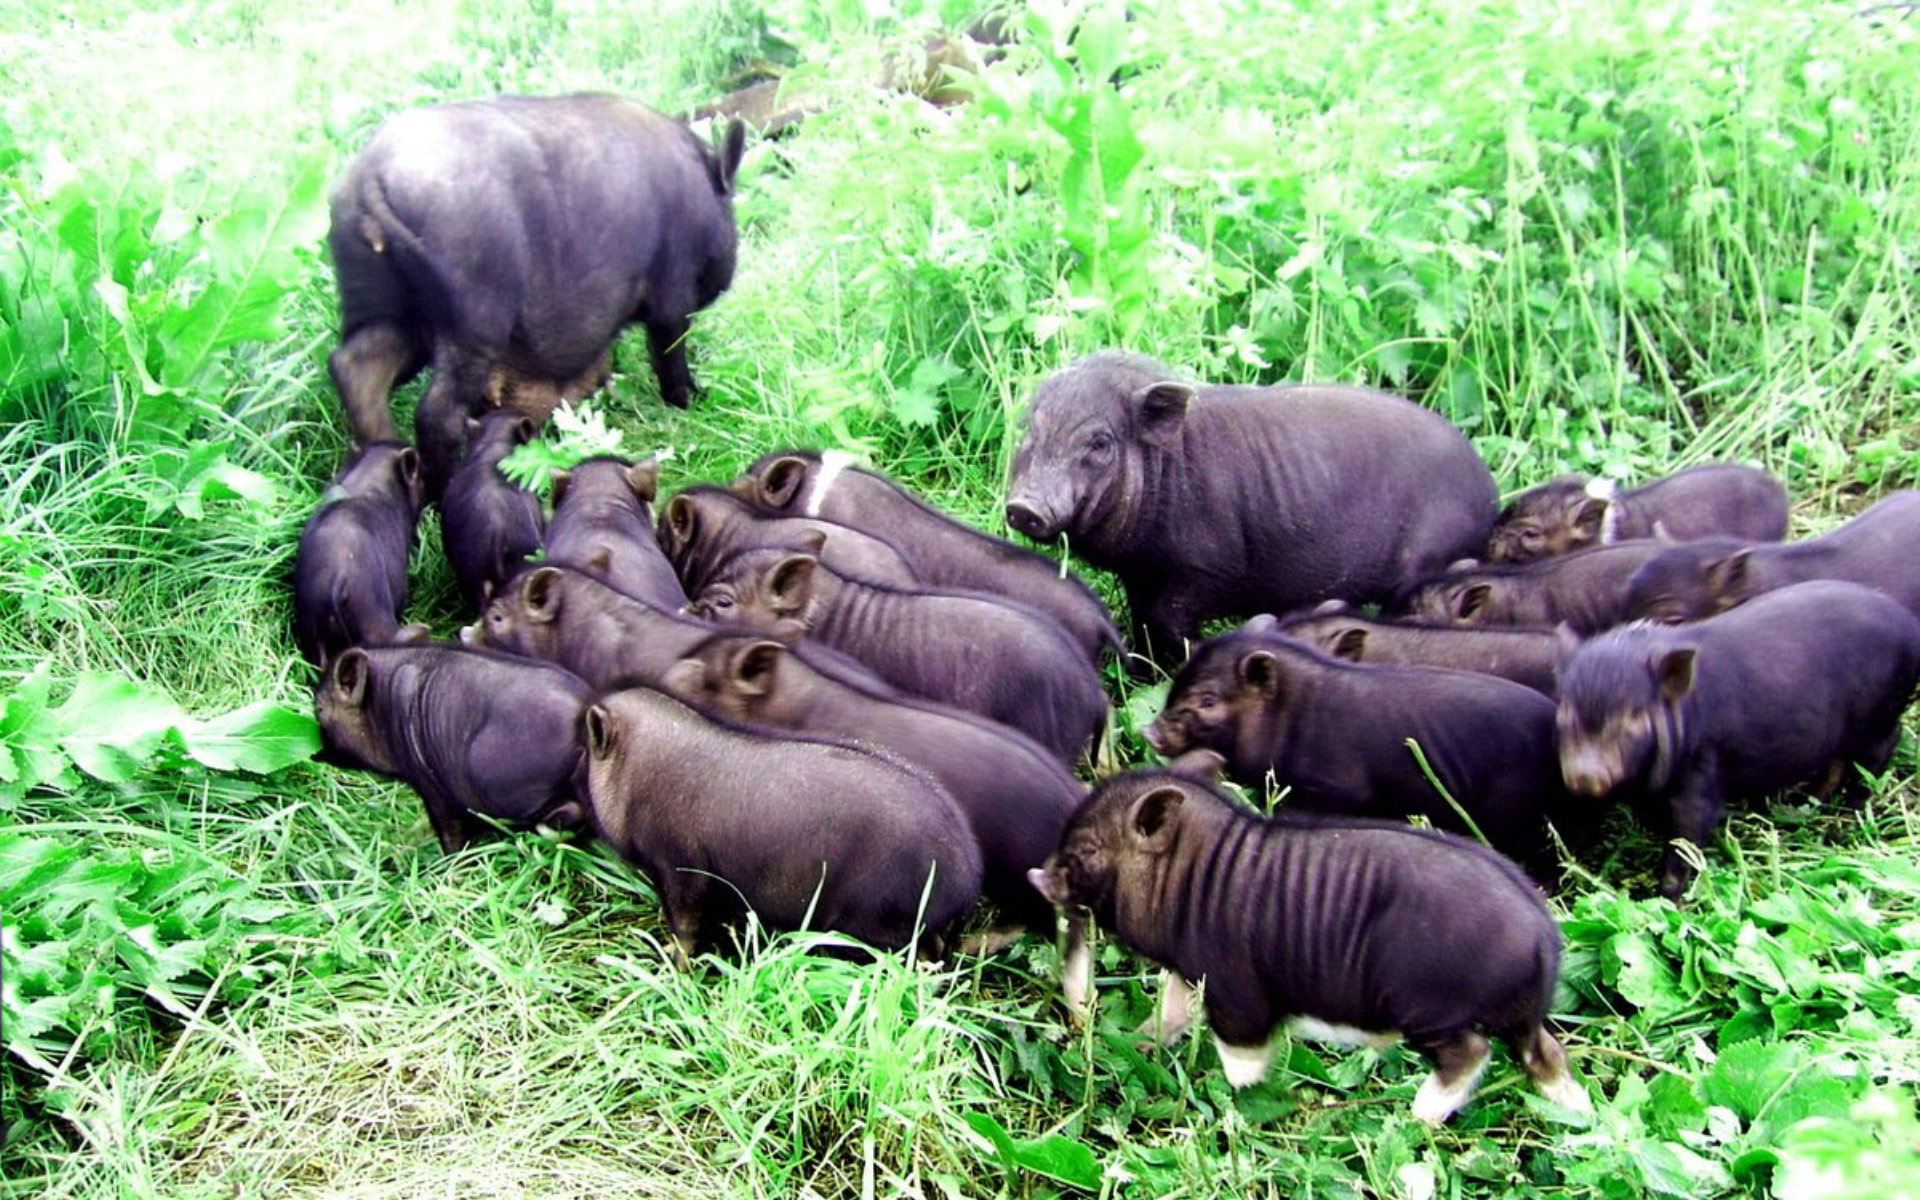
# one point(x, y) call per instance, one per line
point(1244, 1065)
point(1566, 1092)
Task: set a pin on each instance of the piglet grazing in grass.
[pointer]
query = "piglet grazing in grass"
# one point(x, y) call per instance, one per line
point(602, 526)
point(350, 572)
point(1357, 930)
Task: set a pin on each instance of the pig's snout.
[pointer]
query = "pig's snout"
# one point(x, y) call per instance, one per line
point(1029, 516)
point(1156, 735)
point(1586, 773)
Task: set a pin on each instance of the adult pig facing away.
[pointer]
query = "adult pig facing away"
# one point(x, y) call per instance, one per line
point(1227, 501)
point(471, 732)
point(1573, 513)
point(1525, 655)
point(717, 814)
point(512, 239)
point(703, 527)
point(1352, 929)
point(1586, 590)
point(602, 526)
point(942, 552)
point(489, 526)
point(605, 637)
point(350, 572)
point(1794, 686)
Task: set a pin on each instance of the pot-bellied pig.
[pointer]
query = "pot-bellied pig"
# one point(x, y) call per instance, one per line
point(942, 552)
point(704, 526)
point(1573, 512)
point(1875, 549)
point(471, 732)
point(605, 637)
point(1794, 686)
point(511, 239)
point(1336, 733)
point(350, 572)
point(602, 527)
point(488, 526)
point(1356, 930)
point(798, 829)
point(1586, 590)
point(1226, 501)
point(1015, 796)
point(1526, 656)
point(985, 654)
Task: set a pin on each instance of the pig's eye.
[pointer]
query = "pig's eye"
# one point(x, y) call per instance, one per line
point(720, 603)
point(1099, 445)
point(1209, 702)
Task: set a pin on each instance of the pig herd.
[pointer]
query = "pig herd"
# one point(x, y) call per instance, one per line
point(809, 695)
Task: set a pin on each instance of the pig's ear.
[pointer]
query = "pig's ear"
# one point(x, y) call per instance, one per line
point(1472, 599)
point(407, 465)
point(558, 482)
point(1326, 607)
point(1153, 817)
point(524, 431)
point(644, 478)
point(1161, 408)
point(1729, 574)
point(1350, 643)
point(1588, 518)
point(350, 676)
point(753, 666)
point(540, 594)
point(725, 160)
point(682, 521)
point(1260, 670)
point(1674, 670)
point(1461, 564)
point(1262, 623)
point(685, 678)
point(598, 726)
point(813, 540)
point(790, 583)
point(1203, 765)
point(781, 482)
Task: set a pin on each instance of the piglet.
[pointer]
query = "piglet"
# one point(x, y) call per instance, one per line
point(1585, 590)
point(606, 637)
point(350, 572)
point(703, 527)
point(602, 527)
point(1526, 655)
point(488, 525)
point(1573, 512)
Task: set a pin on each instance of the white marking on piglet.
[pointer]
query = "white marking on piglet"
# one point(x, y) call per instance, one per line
point(335, 492)
point(1076, 973)
point(1437, 1099)
point(1314, 1029)
point(1602, 488)
point(832, 462)
point(1564, 1090)
point(1244, 1065)
point(470, 634)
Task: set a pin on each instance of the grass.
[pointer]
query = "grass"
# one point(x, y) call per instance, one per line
point(1600, 236)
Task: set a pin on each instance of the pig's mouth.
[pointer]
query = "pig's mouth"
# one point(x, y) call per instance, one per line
point(1165, 740)
point(1589, 774)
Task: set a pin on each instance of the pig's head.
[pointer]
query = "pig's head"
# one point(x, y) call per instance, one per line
point(1555, 518)
point(732, 675)
point(497, 433)
point(523, 617)
point(348, 732)
point(761, 589)
point(1460, 598)
point(1621, 717)
point(723, 170)
point(608, 475)
point(693, 527)
point(1094, 432)
point(1691, 582)
point(1217, 697)
point(385, 469)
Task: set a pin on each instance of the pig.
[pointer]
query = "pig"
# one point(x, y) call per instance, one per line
point(606, 637)
point(1015, 797)
point(802, 831)
point(350, 571)
point(488, 526)
point(1336, 733)
point(1354, 930)
point(602, 526)
point(981, 653)
point(1710, 576)
point(1585, 590)
point(703, 527)
point(1573, 512)
point(1794, 686)
point(942, 552)
point(1525, 655)
point(507, 241)
point(471, 732)
point(1214, 501)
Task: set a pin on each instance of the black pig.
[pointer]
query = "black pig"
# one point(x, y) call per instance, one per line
point(1223, 501)
point(942, 552)
point(703, 527)
point(602, 526)
point(350, 572)
point(605, 637)
point(471, 732)
point(987, 655)
point(718, 814)
point(1793, 686)
point(507, 242)
point(1573, 512)
point(1699, 579)
point(1526, 656)
point(1351, 930)
point(1586, 590)
point(488, 526)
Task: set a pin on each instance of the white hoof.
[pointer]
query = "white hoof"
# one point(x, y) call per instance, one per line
point(1566, 1092)
point(1437, 1100)
point(1176, 1010)
point(1244, 1065)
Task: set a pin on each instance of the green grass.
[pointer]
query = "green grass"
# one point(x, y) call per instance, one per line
point(1601, 236)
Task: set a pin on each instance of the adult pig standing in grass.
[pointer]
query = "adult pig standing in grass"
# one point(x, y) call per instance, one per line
point(1573, 512)
point(1795, 686)
point(1525, 655)
point(471, 732)
point(1352, 930)
point(602, 526)
point(1226, 501)
point(718, 814)
point(1585, 590)
point(506, 242)
point(488, 526)
point(350, 572)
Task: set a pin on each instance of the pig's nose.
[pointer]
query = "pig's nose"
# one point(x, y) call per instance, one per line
point(1023, 516)
point(1584, 781)
point(1156, 737)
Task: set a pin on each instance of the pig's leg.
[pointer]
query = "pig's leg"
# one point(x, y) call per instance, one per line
point(666, 345)
point(1076, 968)
point(1546, 1063)
point(364, 368)
point(1692, 812)
point(448, 819)
point(1175, 1012)
point(683, 897)
point(1242, 1023)
point(458, 390)
point(1457, 1064)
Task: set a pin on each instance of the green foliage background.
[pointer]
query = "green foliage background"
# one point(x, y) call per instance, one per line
point(1603, 235)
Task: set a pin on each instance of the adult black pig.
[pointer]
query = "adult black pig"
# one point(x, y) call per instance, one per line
point(507, 241)
point(350, 571)
point(982, 653)
point(1336, 733)
point(1699, 579)
point(1224, 501)
point(718, 814)
point(488, 526)
point(602, 526)
point(942, 552)
point(704, 526)
point(1574, 512)
point(1525, 655)
point(1355, 930)
point(606, 637)
point(1586, 590)
point(1794, 686)
point(471, 732)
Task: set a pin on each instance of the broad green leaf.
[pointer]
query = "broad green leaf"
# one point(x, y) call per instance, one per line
point(261, 738)
point(1055, 1156)
point(1746, 1076)
point(111, 724)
